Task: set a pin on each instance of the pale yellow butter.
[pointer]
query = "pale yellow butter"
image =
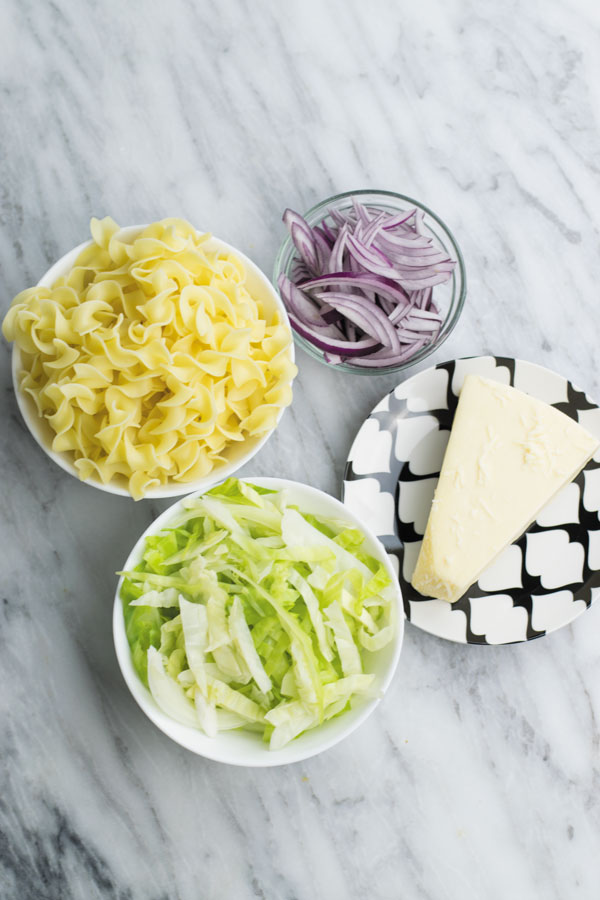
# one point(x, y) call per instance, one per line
point(507, 456)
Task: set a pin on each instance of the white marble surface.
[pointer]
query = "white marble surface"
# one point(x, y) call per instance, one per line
point(479, 775)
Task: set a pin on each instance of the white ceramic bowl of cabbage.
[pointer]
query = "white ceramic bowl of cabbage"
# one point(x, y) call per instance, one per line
point(282, 629)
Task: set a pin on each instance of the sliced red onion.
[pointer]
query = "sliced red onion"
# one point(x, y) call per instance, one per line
point(302, 237)
point(411, 256)
point(306, 248)
point(336, 260)
point(299, 272)
point(361, 287)
point(362, 213)
point(334, 343)
point(425, 301)
point(322, 249)
point(386, 305)
point(425, 314)
point(328, 232)
point(385, 287)
point(351, 331)
point(367, 233)
point(324, 235)
point(372, 320)
point(406, 240)
point(301, 304)
point(400, 313)
point(338, 217)
point(415, 282)
point(370, 258)
point(393, 222)
point(373, 260)
point(409, 336)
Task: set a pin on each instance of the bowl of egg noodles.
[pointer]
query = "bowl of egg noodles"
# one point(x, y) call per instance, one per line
point(151, 361)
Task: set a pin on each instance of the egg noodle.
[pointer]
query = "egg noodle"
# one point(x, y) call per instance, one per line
point(150, 357)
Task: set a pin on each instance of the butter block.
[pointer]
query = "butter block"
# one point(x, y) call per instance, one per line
point(507, 456)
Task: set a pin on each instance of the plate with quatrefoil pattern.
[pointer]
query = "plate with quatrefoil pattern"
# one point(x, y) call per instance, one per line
point(542, 581)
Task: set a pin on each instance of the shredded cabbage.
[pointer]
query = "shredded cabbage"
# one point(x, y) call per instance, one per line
point(169, 695)
point(248, 613)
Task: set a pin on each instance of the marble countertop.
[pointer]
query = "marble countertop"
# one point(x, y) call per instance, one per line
point(479, 775)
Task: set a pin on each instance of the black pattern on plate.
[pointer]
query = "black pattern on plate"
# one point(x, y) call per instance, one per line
point(554, 570)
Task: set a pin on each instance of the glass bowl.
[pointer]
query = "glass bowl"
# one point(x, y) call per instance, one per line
point(449, 297)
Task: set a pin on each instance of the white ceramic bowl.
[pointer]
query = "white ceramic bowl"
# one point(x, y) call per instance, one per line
point(238, 454)
point(241, 748)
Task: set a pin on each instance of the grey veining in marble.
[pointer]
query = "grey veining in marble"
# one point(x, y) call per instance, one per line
point(479, 776)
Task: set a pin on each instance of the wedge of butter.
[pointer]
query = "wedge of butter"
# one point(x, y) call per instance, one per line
point(508, 454)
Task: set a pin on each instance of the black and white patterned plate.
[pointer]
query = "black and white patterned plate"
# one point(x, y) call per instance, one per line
point(542, 581)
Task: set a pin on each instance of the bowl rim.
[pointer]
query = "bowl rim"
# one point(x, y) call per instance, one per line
point(62, 458)
point(449, 323)
point(186, 736)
